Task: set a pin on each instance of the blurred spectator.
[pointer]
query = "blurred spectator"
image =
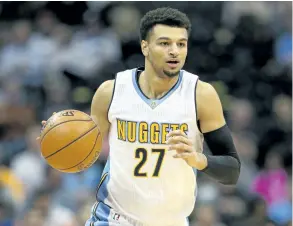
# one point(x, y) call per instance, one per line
point(29, 166)
point(11, 194)
point(80, 186)
point(91, 48)
point(231, 206)
point(257, 214)
point(284, 49)
point(45, 22)
point(23, 58)
point(34, 217)
point(207, 216)
point(241, 115)
point(282, 107)
point(272, 185)
point(247, 150)
point(54, 215)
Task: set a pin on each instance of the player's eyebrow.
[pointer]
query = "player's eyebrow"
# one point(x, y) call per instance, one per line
point(166, 38)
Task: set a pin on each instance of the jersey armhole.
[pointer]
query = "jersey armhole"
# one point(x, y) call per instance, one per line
point(113, 93)
point(195, 106)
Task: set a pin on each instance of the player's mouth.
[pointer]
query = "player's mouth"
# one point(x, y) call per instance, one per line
point(173, 63)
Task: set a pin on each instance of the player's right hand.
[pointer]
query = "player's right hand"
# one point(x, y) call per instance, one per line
point(43, 125)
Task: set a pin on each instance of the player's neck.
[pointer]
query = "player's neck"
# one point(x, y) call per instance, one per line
point(153, 86)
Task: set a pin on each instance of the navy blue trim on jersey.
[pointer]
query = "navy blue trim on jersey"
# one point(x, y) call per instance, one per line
point(113, 92)
point(100, 215)
point(102, 192)
point(153, 103)
point(101, 211)
point(195, 105)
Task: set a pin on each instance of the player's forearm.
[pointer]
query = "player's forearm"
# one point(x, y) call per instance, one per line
point(224, 164)
point(224, 169)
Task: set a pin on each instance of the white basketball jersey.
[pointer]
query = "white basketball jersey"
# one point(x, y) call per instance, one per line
point(145, 181)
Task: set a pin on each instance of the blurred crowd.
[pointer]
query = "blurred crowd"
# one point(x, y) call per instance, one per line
point(53, 55)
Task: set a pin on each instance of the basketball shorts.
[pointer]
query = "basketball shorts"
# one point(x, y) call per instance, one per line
point(103, 215)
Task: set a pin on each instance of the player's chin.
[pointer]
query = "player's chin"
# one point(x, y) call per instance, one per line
point(171, 73)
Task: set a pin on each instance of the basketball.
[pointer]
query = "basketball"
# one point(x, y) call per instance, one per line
point(70, 141)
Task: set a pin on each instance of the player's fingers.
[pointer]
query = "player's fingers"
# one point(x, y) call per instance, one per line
point(180, 147)
point(184, 155)
point(44, 121)
point(178, 139)
point(176, 133)
point(38, 138)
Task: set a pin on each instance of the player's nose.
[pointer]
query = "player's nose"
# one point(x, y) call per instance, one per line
point(174, 50)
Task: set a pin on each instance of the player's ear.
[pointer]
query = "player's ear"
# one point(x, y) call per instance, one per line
point(144, 48)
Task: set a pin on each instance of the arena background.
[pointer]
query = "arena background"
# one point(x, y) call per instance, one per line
point(53, 55)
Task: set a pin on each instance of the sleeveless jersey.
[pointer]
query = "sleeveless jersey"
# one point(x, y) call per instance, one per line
point(142, 179)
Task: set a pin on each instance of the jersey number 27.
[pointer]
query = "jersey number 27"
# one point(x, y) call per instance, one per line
point(142, 154)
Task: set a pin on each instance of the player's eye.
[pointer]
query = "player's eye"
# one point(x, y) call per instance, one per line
point(164, 43)
point(182, 44)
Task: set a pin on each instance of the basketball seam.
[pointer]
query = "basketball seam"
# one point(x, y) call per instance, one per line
point(73, 120)
point(86, 156)
point(70, 143)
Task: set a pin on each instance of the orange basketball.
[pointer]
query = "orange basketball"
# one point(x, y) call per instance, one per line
point(70, 141)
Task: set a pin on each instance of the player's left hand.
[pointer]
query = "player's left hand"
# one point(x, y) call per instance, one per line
point(178, 141)
point(43, 126)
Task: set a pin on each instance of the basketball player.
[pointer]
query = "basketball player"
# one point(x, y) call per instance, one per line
point(156, 117)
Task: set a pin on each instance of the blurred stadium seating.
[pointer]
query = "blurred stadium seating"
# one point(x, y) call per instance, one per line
point(53, 55)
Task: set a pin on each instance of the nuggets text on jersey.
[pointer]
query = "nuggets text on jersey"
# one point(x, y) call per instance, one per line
point(144, 132)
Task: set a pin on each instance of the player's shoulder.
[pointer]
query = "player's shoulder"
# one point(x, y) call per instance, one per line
point(104, 92)
point(189, 75)
point(205, 92)
point(127, 72)
point(106, 87)
point(206, 97)
point(202, 87)
point(205, 87)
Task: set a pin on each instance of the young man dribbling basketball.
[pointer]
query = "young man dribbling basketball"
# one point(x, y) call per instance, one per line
point(157, 117)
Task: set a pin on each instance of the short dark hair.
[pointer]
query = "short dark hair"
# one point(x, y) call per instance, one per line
point(166, 16)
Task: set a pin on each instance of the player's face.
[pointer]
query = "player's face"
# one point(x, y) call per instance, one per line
point(166, 49)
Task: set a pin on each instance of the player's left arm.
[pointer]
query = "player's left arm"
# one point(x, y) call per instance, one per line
point(224, 164)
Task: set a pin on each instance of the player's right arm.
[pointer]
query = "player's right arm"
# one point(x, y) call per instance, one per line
point(100, 106)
